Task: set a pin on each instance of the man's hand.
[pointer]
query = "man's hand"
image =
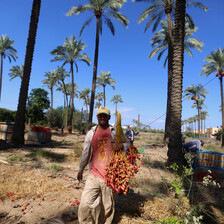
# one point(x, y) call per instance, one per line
point(79, 176)
point(116, 146)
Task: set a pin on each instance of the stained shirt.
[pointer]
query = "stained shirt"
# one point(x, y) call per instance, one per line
point(102, 148)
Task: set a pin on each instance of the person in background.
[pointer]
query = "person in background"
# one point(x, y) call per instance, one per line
point(193, 146)
point(130, 133)
point(97, 200)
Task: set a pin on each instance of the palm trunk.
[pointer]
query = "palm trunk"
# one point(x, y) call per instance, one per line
point(1, 74)
point(195, 128)
point(204, 128)
point(72, 96)
point(175, 142)
point(116, 113)
point(221, 87)
point(198, 121)
point(94, 73)
point(51, 99)
point(18, 130)
point(170, 72)
point(104, 96)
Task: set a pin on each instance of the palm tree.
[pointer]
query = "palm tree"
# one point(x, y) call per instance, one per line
point(16, 71)
point(103, 80)
point(156, 11)
point(198, 104)
point(116, 99)
point(6, 50)
point(204, 114)
point(100, 10)
point(175, 153)
point(70, 53)
point(195, 93)
point(50, 82)
point(62, 75)
point(18, 131)
point(97, 105)
point(99, 96)
point(84, 94)
point(160, 41)
point(216, 64)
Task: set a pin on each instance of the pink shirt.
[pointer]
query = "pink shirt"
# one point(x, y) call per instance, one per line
point(102, 149)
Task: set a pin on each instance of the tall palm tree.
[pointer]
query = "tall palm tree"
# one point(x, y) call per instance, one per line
point(103, 80)
point(6, 50)
point(50, 82)
point(70, 53)
point(175, 142)
point(18, 130)
point(195, 93)
point(116, 99)
point(156, 11)
point(215, 63)
point(101, 9)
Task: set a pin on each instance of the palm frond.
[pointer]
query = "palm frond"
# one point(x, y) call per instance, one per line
point(86, 24)
point(109, 24)
point(76, 10)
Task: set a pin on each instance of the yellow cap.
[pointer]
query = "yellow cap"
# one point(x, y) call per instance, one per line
point(103, 110)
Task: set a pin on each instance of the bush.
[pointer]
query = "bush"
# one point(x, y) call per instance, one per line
point(218, 135)
point(7, 115)
point(189, 134)
point(54, 118)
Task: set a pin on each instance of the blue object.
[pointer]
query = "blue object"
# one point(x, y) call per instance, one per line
point(198, 160)
point(34, 136)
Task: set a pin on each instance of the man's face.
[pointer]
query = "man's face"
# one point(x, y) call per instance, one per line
point(103, 119)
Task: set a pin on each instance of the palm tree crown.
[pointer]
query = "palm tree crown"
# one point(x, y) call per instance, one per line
point(195, 92)
point(215, 63)
point(101, 9)
point(159, 8)
point(70, 52)
point(103, 80)
point(160, 41)
point(6, 50)
point(16, 71)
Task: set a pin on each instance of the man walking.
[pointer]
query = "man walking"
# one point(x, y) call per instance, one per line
point(97, 200)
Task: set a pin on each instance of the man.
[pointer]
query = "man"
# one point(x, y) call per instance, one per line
point(130, 133)
point(193, 146)
point(97, 201)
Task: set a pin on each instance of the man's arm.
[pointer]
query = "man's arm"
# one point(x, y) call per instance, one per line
point(86, 153)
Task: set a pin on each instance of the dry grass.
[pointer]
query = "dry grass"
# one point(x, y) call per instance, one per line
point(24, 182)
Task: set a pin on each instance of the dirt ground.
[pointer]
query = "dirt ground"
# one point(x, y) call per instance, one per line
point(31, 192)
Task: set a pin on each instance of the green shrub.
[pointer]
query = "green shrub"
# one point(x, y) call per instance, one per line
point(56, 167)
point(7, 115)
point(14, 158)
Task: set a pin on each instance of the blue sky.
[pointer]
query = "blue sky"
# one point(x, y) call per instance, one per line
point(141, 82)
